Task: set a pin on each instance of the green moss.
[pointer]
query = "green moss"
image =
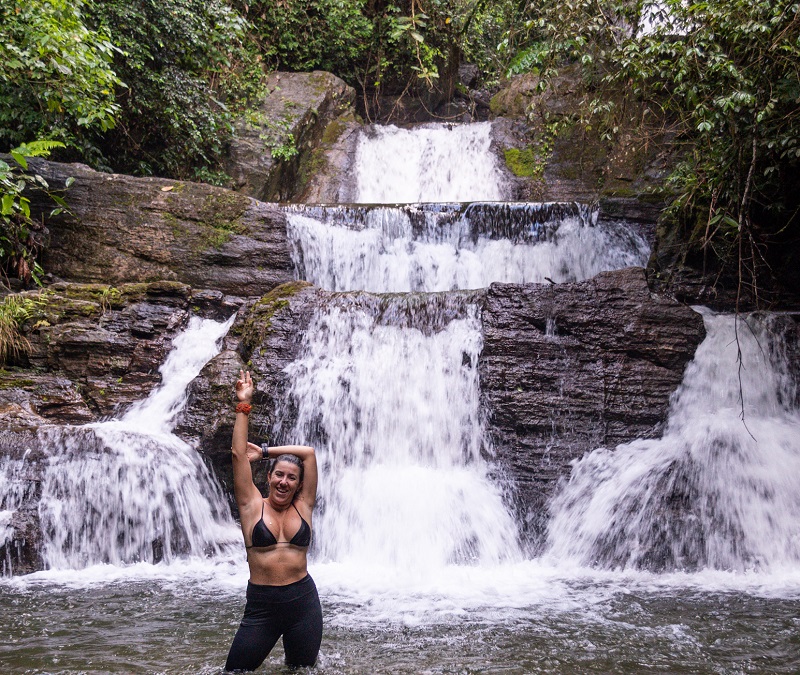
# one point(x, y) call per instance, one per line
point(496, 104)
point(218, 234)
point(256, 327)
point(166, 287)
point(220, 218)
point(56, 307)
point(178, 229)
point(132, 292)
point(223, 205)
point(311, 165)
point(15, 382)
point(524, 163)
point(332, 132)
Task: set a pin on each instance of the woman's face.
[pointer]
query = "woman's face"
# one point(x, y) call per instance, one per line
point(284, 482)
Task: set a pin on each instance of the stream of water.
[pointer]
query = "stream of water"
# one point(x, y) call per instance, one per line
point(674, 555)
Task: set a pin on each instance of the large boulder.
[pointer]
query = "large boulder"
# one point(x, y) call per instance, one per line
point(120, 229)
point(280, 149)
point(571, 367)
point(551, 156)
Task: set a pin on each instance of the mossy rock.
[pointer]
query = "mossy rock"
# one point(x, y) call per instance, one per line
point(256, 326)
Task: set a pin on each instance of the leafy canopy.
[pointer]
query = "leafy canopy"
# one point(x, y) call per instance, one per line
point(189, 68)
point(56, 78)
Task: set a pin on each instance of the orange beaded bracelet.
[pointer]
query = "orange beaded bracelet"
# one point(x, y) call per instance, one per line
point(243, 408)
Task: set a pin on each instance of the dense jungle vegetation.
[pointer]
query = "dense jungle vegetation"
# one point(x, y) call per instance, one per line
point(154, 88)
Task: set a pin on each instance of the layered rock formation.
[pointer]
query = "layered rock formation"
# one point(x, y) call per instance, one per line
point(564, 369)
point(572, 367)
point(90, 350)
point(120, 229)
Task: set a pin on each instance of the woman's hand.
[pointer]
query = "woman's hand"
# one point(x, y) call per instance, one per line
point(254, 452)
point(244, 387)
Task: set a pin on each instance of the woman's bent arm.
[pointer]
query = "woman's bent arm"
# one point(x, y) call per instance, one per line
point(308, 491)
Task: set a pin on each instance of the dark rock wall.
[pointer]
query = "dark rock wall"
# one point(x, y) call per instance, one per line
point(572, 367)
point(21, 554)
point(564, 369)
point(93, 349)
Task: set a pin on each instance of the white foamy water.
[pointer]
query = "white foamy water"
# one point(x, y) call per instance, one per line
point(712, 493)
point(397, 415)
point(432, 163)
point(128, 490)
point(442, 247)
point(413, 528)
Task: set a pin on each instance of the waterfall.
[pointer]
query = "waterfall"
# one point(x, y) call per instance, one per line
point(443, 247)
point(392, 401)
point(388, 389)
point(715, 491)
point(128, 490)
point(432, 163)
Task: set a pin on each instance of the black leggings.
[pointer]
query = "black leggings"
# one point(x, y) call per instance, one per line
point(271, 611)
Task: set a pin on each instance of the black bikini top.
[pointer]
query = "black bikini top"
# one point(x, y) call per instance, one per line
point(263, 537)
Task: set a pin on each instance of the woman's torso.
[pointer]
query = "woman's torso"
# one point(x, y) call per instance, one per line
point(280, 563)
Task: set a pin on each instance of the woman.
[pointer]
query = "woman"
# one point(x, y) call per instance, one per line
point(281, 597)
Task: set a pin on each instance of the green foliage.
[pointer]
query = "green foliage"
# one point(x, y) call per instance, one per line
point(15, 310)
point(722, 76)
point(20, 237)
point(275, 134)
point(382, 46)
point(306, 35)
point(56, 78)
point(189, 70)
point(487, 32)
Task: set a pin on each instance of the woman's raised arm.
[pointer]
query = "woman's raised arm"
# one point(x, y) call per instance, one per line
point(244, 489)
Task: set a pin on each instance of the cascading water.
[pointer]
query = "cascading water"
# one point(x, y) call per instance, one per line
point(128, 490)
point(443, 247)
point(435, 163)
point(15, 490)
point(395, 409)
point(715, 491)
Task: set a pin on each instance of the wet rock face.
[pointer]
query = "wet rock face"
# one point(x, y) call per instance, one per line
point(21, 464)
point(570, 162)
point(122, 229)
point(564, 369)
point(569, 368)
